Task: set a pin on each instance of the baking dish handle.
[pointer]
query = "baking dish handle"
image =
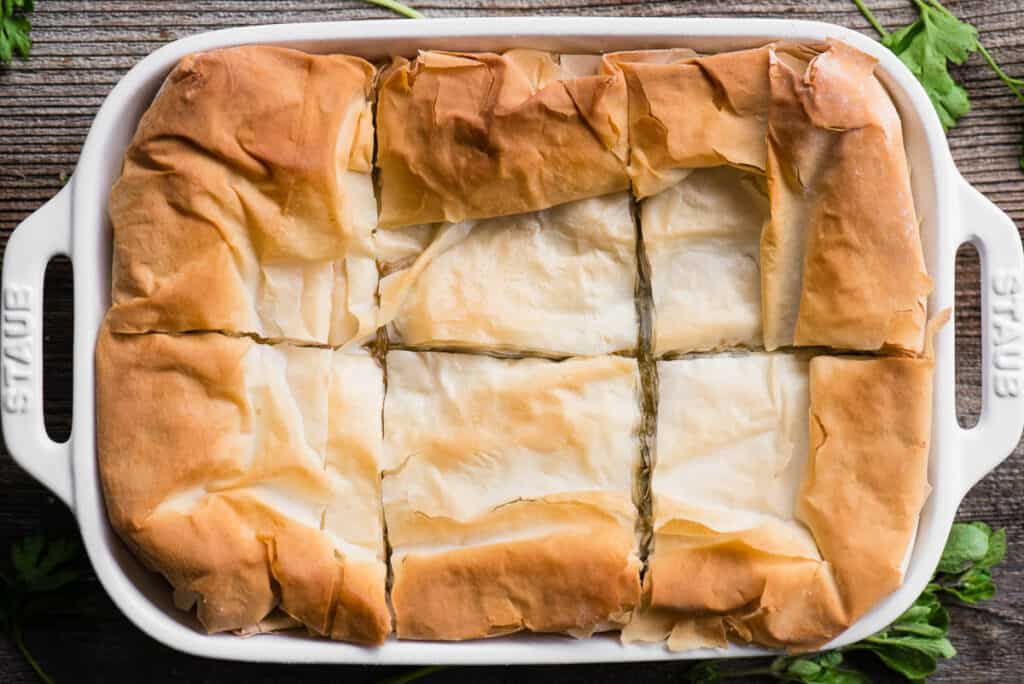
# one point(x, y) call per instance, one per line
point(999, 247)
point(40, 237)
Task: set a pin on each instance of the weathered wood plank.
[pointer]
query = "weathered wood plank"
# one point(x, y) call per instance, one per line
point(81, 50)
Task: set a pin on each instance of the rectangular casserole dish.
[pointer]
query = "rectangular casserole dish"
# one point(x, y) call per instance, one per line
point(74, 223)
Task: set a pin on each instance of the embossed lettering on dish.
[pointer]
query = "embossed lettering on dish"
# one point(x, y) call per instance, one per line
point(17, 348)
point(1007, 332)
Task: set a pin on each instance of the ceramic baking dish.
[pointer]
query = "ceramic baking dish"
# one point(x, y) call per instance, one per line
point(75, 223)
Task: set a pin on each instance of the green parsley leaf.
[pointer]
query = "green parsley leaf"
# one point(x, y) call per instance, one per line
point(967, 545)
point(909, 662)
point(39, 569)
point(14, 29)
point(924, 614)
point(929, 45)
point(822, 668)
point(934, 647)
point(804, 668)
point(973, 586)
point(996, 549)
point(922, 629)
point(706, 672)
point(971, 551)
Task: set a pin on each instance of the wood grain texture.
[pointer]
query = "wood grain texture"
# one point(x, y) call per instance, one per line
point(82, 48)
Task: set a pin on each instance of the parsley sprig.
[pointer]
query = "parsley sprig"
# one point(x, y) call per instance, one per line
point(912, 645)
point(936, 39)
point(15, 28)
point(38, 569)
point(397, 8)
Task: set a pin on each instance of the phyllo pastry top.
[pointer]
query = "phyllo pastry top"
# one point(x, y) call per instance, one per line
point(477, 135)
point(248, 475)
point(785, 492)
point(568, 380)
point(702, 241)
point(688, 110)
point(508, 493)
point(557, 282)
point(246, 203)
point(841, 259)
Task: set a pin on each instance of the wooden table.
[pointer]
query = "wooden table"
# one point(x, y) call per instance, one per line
point(81, 50)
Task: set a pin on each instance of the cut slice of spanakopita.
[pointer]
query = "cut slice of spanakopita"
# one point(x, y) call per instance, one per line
point(786, 492)
point(841, 259)
point(245, 203)
point(557, 282)
point(508, 494)
point(248, 476)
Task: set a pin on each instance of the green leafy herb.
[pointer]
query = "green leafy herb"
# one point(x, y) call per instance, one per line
point(965, 570)
point(395, 7)
point(38, 570)
point(912, 645)
point(413, 675)
point(14, 29)
point(15, 26)
point(929, 45)
point(823, 668)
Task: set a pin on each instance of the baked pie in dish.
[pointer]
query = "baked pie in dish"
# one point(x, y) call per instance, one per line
point(468, 344)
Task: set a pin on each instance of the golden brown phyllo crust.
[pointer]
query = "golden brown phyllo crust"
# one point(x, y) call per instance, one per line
point(247, 475)
point(834, 455)
point(613, 297)
point(245, 203)
point(467, 136)
point(690, 111)
point(841, 258)
point(508, 493)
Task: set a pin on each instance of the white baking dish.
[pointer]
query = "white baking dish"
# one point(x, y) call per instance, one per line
point(75, 223)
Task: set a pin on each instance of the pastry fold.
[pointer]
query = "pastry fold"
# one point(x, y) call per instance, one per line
point(786, 493)
point(867, 473)
point(478, 135)
point(508, 494)
point(558, 282)
point(841, 259)
point(248, 475)
point(246, 203)
point(690, 111)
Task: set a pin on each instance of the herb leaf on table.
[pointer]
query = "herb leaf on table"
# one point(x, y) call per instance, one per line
point(15, 26)
point(965, 570)
point(38, 569)
point(14, 29)
point(936, 39)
